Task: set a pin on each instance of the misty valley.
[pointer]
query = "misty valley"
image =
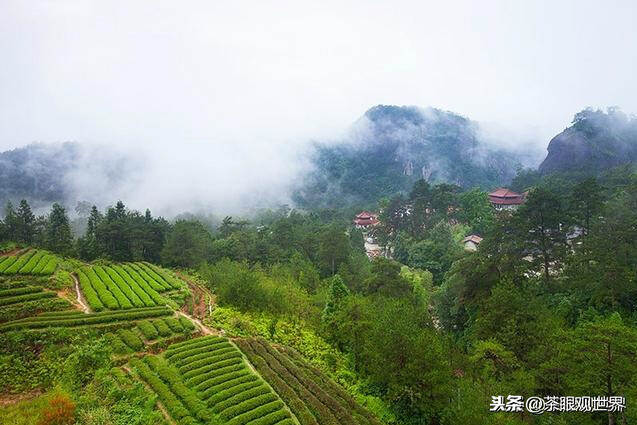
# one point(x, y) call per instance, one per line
point(318, 213)
point(415, 273)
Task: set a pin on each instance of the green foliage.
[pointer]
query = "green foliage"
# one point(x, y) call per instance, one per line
point(386, 279)
point(338, 292)
point(187, 244)
point(187, 324)
point(105, 317)
point(400, 146)
point(476, 210)
point(162, 328)
point(58, 237)
point(26, 297)
point(83, 362)
point(131, 339)
point(148, 329)
point(32, 308)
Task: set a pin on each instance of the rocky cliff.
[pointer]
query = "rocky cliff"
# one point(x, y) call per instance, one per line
point(596, 141)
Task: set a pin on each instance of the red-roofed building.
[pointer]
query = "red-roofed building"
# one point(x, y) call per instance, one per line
point(505, 199)
point(365, 220)
point(471, 242)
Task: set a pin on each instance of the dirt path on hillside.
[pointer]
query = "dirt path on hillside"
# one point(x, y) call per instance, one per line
point(80, 297)
point(204, 329)
point(10, 253)
point(203, 299)
point(9, 399)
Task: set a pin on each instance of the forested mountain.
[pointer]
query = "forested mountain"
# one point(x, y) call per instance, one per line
point(391, 147)
point(44, 173)
point(596, 141)
point(36, 172)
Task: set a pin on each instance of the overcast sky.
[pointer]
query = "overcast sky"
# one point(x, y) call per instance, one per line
point(261, 76)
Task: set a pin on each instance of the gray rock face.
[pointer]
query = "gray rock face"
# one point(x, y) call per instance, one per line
point(595, 142)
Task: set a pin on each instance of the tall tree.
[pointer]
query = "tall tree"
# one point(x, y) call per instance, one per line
point(26, 223)
point(338, 291)
point(187, 245)
point(585, 202)
point(333, 249)
point(88, 247)
point(603, 359)
point(386, 279)
point(11, 223)
point(543, 225)
point(476, 210)
point(113, 234)
point(58, 231)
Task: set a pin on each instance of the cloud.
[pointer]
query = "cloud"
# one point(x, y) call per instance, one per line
point(212, 101)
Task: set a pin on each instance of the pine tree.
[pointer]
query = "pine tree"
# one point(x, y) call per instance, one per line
point(542, 224)
point(11, 224)
point(58, 232)
point(26, 223)
point(88, 246)
point(338, 292)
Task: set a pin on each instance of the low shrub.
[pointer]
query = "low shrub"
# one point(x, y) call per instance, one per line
point(19, 291)
point(131, 339)
point(195, 349)
point(162, 328)
point(228, 384)
point(192, 343)
point(170, 401)
point(89, 293)
point(121, 283)
point(213, 367)
point(247, 405)
point(208, 360)
point(148, 329)
point(59, 411)
point(258, 413)
point(26, 297)
point(20, 262)
point(187, 323)
point(228, 393)
point(87, 319)
point(240, 397)
point(208, 354)
point(216, 380)
point(174, 324)
point(158, 285)
point(33, 261)
point(214, 372)
point(116, 344)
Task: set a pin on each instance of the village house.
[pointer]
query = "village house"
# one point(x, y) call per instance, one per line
point(504, 199)
point(365, 220)
point(471, 242)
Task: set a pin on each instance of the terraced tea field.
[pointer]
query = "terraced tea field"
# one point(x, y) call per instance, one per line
point(125, 286)
point(312, 397)
point(198, 381)
point(76, 318)
point(207, 381)
point(29, 262)
point(149, 332)
point(23, 298)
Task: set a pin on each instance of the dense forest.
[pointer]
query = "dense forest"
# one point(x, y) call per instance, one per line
point(426, 334)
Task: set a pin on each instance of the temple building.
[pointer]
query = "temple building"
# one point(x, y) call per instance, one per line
point(365, 220)
point(505, 199)
point(471, 242)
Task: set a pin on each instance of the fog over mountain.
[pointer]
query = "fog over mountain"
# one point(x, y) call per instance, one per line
point(216, 106)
